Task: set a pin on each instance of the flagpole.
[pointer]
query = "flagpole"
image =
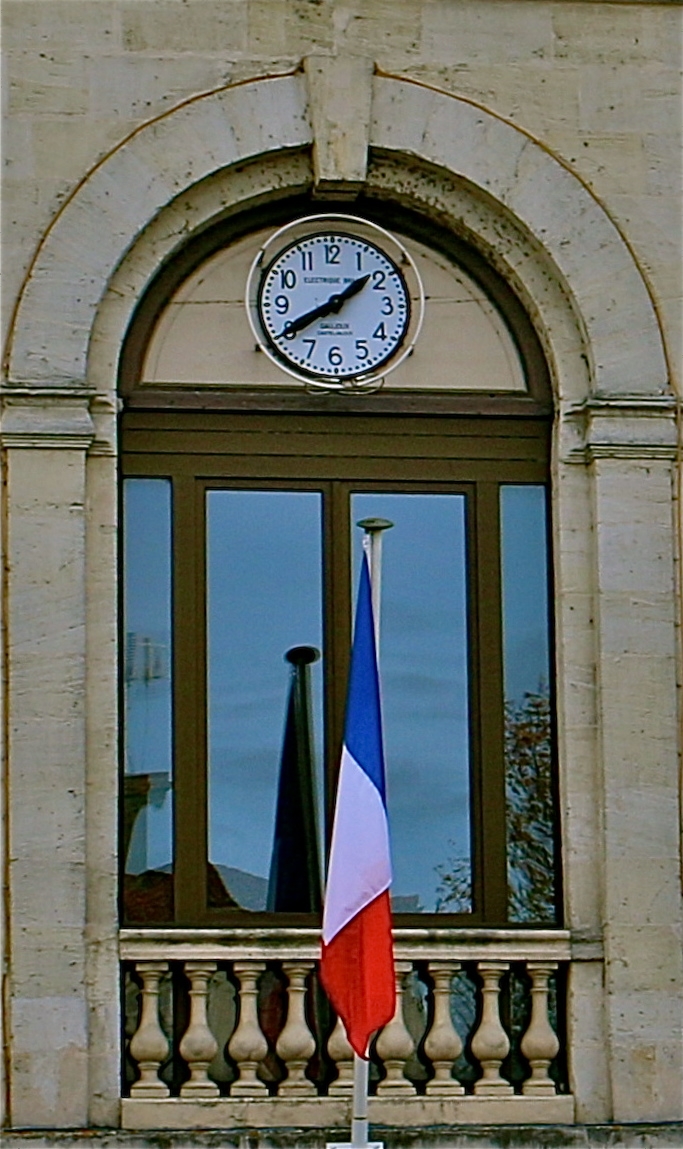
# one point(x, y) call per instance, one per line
point(372, 543)
point(373, 529)
point(359, 1118)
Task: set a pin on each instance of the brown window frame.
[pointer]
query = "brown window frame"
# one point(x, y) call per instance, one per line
point(336, 454)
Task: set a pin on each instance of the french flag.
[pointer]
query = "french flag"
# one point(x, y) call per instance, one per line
point(357, 966)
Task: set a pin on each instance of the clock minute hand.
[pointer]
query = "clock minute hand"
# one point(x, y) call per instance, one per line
point(352, 289)
point(333, 305)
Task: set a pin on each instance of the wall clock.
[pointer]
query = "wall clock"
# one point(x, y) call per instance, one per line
point(335, 301)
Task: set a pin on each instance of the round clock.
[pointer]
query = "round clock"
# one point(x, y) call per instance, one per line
point(335, 301)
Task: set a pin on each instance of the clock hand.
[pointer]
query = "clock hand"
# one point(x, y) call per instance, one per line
point(352, 289)
point(333, 305)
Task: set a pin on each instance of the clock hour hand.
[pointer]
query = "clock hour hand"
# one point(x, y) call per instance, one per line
point(333, 305)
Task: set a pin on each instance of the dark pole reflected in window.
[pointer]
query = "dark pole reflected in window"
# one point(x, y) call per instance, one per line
point(425, 696)
point(294, 878)
point(264, 598)
point(148, 757)
point(528, 723)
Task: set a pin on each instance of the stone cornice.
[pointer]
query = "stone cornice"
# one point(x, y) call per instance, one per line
point(620, 427)
point(655, 405)
point(56, 417)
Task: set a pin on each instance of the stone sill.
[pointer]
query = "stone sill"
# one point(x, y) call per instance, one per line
point(335, 1113)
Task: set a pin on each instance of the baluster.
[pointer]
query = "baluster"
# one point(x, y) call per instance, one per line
point(341, 1053)
point(296, 1045)
point(490, 1044)
point(248, 1046)
point(395, 1045)
point(540, 1043)
point(149, 1045)
point(443, 1044)
point(198, 1045)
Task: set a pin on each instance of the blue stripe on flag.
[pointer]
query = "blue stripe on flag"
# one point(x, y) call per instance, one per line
point(363, 733)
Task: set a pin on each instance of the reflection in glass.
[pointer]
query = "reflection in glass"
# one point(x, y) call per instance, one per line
point(528, 726)
point(423, 656)
point(148, 766)
point(294, 879)
point(264, 597)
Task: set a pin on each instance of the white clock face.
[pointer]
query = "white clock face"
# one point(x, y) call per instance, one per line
point(333, 305)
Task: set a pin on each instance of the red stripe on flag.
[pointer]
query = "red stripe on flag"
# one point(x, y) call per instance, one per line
point(357, 972)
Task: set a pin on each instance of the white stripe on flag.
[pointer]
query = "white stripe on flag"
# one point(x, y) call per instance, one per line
point(360, 868)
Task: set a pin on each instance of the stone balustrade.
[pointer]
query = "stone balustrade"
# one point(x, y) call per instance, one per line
point(227, 1029)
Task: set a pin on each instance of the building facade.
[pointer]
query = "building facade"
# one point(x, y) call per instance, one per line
point(526, 154)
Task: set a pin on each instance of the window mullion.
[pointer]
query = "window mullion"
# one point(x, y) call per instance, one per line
point(492, 852)
point(337, 580)
point(189, 610)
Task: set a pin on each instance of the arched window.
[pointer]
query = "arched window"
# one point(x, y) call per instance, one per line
point(241, 494)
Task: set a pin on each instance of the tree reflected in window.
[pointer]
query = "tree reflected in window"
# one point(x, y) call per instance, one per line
point(530, 821)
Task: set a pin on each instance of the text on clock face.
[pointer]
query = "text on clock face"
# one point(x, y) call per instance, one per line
point(334, 305)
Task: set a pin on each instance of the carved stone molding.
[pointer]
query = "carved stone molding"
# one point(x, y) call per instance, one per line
point(620, 427)
point(54, 418)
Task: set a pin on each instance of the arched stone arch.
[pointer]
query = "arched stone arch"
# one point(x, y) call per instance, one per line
point(88, 240)
point(555, 208)
point(121, 196)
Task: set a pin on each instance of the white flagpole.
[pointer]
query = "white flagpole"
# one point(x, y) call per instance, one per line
point(372, 544)
point(359, 1119)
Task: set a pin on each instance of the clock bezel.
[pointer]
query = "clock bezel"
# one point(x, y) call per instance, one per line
point(364, 231)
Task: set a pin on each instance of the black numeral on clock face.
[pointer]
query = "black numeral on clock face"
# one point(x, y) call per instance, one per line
point(380, 332)
point(307, 261)
point(281, 304)
point(332, 252)
point(287, 279)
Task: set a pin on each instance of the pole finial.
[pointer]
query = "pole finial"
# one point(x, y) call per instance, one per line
point(302, 655)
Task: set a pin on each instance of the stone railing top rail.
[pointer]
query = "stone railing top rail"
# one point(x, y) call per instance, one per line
point(414, 944)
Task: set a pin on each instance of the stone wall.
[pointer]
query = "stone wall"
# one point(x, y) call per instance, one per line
point(553, 125)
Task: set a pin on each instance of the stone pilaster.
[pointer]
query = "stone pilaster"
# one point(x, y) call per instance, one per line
point(46, 437)
point(629, 446)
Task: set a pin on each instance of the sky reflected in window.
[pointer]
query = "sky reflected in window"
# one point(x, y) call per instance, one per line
point(524, 559)
point(264, 596)
point(148, 755)
point(423, 664)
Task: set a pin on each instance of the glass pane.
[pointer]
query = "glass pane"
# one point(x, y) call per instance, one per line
point(528, 727)
point(148, 765)
point(264, 598)
point(423, 662)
